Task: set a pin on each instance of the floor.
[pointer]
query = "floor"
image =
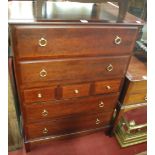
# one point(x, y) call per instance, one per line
point(94, 144)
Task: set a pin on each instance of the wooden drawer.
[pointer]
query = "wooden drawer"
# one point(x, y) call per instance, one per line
point(72, 70)
point(46, 111)
point(39, 94)
point(135, 98)
point(108, 86)
point(77, 90)
point(33, 41)
point(68, 125)
point(137, 87)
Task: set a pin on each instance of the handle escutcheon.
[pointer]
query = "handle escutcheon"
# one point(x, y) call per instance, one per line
point(101, 104)
point(43, 73)
point(42, 42)
point(109, 68)
point(98, 121)
point(44, 113)
point(118, 40)
point(45, 131)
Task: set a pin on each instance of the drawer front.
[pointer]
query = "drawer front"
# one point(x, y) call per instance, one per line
point(73, 70)
point(46, 111)
point(135, 98)
point(108, 86)
point(137, 87)
point(67, 125)
point(77, 90)
point(63, 41)
point(39, 94)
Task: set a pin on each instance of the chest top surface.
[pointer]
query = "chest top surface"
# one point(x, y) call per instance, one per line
point(48, 12)
point(137, 70)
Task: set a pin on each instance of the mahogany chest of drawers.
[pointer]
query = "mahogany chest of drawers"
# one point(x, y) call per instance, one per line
point(69, 73)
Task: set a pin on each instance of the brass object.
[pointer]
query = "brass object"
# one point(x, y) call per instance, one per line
point(128, 133)
point(118, 40)
point(76, 91)
point(132, 123)
point(98, 121)
point(45, 131)
point(145, 98)
point(39, 95)
point(109, 67)
point(43, 73)
point(42, 42)
point(108, 87)
point(44, 113)
point(101, 104)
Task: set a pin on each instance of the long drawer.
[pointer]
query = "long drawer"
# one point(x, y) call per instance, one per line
point(70, 40)
point(47, 111)
point(73, 70)
point(68, 125)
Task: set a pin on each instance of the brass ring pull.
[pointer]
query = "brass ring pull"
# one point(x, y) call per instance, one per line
point(45, 131)
point(39, 95)
point(109, 67)
point(43, 73)
point(108, 87)
point(42, 42)
point(76, 91)
point(44, 113)
point(118, 40)
point(98, 121)
point(145, 98)
point(101, 104)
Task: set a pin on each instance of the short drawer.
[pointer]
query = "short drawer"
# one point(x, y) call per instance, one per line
point(39, 94)
point(72, 70)
point(137, 87)
point(77, 90)
point(55, 109)
point(108, 86)
point(68, 125)
point(34, 41)
point(135, 98)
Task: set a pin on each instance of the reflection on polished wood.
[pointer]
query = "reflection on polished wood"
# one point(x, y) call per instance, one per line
point(38, 11)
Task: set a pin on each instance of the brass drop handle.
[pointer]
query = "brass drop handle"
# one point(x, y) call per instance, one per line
point(42, 42)
point(101, 104)
point(108, 87)
point(98, 121)
point(45, 131)
point(109, 68)
point(118, 40)
point(43, 73)
point(76, 91)
point(39, 95)
point(44, 113)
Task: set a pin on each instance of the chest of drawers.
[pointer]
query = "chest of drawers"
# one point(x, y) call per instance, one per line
point(132, 117)
point(69, 75)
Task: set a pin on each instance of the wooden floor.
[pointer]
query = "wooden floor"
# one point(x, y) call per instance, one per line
point(94, 144)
